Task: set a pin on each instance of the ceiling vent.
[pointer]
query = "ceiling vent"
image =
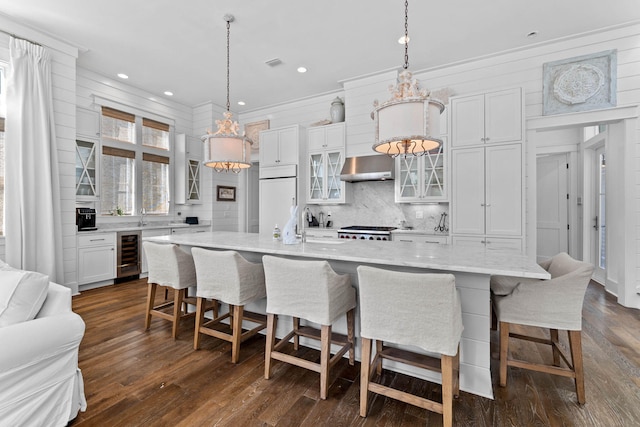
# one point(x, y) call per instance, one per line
point(273, 62)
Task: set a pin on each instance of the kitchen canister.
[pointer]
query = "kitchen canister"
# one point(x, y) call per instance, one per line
point(337, 110)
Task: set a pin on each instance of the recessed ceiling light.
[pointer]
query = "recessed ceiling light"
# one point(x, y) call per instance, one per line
point(532, 35)
point(123, 76)
point(302, 70)
point(401, 39)
point(241, 103)
point(168, 93)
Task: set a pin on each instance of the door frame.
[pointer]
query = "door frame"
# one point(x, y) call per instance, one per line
point(590, 182)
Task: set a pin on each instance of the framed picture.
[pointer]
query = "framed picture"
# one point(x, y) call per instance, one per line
point(252, 131)
point(581, 83)
point(225, 194)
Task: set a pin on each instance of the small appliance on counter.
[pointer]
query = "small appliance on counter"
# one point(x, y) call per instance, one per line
point(191, 220)
point(86, 219)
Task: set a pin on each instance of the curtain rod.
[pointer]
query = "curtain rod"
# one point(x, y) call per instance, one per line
point(18, 37)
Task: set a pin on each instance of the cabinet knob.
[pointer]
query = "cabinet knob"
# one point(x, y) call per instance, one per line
point(487, 138)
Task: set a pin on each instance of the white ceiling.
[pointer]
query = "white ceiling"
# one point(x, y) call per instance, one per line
point(181, 45)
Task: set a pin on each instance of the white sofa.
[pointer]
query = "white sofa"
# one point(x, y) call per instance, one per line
point(40, 383)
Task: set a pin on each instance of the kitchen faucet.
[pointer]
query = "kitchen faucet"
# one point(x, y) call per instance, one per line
point(142, 222)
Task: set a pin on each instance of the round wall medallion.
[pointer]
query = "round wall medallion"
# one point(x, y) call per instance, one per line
point(578, 83)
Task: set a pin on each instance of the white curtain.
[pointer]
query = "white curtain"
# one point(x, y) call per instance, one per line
point(33, 225)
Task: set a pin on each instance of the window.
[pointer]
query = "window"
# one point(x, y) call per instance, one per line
point(118, 181)
point(135, 164)
point(155, 184)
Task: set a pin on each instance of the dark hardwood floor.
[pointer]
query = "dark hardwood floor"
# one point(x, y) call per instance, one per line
point(138, 378)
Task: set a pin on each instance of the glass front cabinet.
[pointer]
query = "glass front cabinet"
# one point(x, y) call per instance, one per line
point(325, 161)
point(86, 170)
point(423, 178)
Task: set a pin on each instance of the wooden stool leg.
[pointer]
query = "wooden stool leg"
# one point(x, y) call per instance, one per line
point(325, 356)
point(456, 374)
point(575, 342)
point(200, 305)
point(296, 337)
point(504, 352)
point(446, 364)
point(271, 341)
point(554, 346)
point(379, 346)
point(177, 306)
point(365, 374)
point(238, 311)
point(151, 296)
point(350, 327)
point(494, 318)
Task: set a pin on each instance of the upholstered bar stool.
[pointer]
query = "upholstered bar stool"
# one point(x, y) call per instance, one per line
point(421, 310)
point(554, 304)
point(227, 277)
point(169, 266)
point(308, 290)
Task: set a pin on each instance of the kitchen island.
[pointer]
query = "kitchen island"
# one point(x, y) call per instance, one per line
point(471, 266)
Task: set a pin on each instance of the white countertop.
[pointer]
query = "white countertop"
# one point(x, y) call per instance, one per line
point(414, 231)
point(133, 226)
point(448, 258)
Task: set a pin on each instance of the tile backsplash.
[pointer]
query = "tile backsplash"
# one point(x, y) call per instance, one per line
point(372, 203)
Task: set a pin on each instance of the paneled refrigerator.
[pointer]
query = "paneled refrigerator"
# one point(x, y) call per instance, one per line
point(278, 192)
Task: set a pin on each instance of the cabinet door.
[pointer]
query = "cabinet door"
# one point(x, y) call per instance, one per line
point(433, 172)
point(334, 190)
point(504, 190)
point(503, 244)
point(316, 138)
point(288, 148)
point(96, 264)
point(193, 180)
point(269, 148)
point(503, 116)
point(335, 136)
point(467, 195)
point(87, 123)
point(86, 170)
point(467, 121)
point(408, 177)
point(316, 177)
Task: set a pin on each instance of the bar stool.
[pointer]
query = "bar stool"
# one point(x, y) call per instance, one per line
point(173, 267)
point(227, 277)
point(421, 310)
point(308, 290)
point(554, 304)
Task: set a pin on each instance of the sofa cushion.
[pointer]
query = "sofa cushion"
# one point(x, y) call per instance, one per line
point(22, 294)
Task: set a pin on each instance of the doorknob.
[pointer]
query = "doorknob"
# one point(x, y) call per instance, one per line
point(595, 226)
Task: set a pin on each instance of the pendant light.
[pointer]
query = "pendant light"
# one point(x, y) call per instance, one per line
point(408, 123)
point(225, 150)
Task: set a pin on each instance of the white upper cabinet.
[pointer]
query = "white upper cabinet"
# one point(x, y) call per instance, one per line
point(87, 123)
point(422, 179)
point(279, 147)
point(489, 118)
point(325, 160)
point(187, 168)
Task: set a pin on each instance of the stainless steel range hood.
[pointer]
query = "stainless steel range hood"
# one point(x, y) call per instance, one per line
point(368, 168)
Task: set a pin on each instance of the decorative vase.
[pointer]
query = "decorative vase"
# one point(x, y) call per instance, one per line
point(337, 110)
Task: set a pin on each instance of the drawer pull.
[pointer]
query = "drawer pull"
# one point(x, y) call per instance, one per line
point(96, 240)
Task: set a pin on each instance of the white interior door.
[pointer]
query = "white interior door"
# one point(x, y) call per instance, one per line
point(599, 222)
point(552, 203)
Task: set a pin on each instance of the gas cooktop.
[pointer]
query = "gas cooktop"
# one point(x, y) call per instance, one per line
point(367, 228)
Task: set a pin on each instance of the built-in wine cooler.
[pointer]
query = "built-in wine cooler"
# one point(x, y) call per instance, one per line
point(129, 249)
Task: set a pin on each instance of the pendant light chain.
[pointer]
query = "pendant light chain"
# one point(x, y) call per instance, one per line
point(406, 34)
point(228, 34)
